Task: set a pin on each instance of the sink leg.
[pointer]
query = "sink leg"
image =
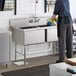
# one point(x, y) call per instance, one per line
point(25, 59)
point(15, 52)
point(6, 65)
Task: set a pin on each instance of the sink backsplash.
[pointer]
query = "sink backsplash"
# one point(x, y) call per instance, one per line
point(24, 22)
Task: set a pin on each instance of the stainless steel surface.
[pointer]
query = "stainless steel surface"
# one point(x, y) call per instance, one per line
point(26, 33)
point(59, 69)
point(5, 47)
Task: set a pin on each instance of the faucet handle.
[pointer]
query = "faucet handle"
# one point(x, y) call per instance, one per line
point(31, 21)
point(31, 15)
point(38, 20)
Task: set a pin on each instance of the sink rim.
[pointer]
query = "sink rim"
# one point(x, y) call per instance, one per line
point(28, 27)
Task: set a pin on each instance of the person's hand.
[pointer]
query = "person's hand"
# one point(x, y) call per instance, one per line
point(53, 17)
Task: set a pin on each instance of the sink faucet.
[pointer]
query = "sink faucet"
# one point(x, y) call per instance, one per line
point(35, 18)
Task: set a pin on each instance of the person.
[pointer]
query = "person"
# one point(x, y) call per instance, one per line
point(64, 28)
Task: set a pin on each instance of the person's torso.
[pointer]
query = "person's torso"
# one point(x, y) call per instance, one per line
point(65, 20)
point(64, 9)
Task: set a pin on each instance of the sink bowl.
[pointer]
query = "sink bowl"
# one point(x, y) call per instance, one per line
point(34, 26)
point(43, 26)
point(28, 27)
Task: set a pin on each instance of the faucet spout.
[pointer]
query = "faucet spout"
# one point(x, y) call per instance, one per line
point(34, 17)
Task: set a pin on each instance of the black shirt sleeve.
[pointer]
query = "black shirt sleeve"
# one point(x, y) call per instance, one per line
point(57, 7)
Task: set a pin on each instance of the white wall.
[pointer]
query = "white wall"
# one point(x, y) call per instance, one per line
point(25, 7)
point(72, 8)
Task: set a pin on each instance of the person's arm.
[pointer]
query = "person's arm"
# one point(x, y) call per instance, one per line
point(56, 9)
